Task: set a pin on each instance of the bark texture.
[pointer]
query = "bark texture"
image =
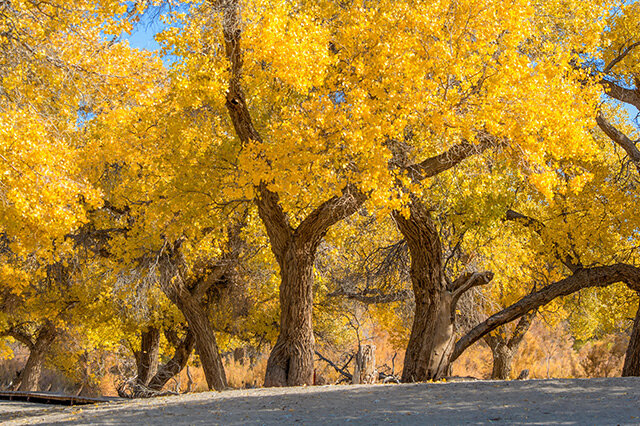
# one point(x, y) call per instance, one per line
point(632, 357)
point(175, 365)
point(291, 360)
point(432, 334)
point(29, 377)
point(503, 348)
point(204, 336)
point(364, 371)
point(147, 358)
point(598, 276)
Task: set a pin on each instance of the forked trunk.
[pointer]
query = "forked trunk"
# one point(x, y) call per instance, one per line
point(147, 358)
point(632, 358)
point(30, 376)
point(432, 339)
point(291, 360)
point(175, 365)
point(432, 333)
point(502, 362)
point(504, 347)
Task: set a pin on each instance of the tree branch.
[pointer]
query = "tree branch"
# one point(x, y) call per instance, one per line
point(435, 165)
point(338, 369)
point(567, 259)
point(466, 281)
point(598, 276)
point(316, 224)
point(620, 138)
point(274, 218)
point(373, 298)
point(21, 337)
point(521, 329)
point(620, 93)
point(621, 56)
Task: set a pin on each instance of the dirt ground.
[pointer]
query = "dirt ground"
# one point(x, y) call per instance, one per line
point(571, 401)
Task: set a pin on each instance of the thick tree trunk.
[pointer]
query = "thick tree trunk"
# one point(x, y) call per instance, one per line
point(175, 365)
point(205, 339)
point(632, 357)
point(291, 360)
point(29, 378)
point(147, 358)
point(504, 348)
point(432, 333)
point(502, 361)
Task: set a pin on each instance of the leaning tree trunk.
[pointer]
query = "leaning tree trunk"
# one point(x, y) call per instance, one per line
point(597, 276)
point(30, 376)
point(147, 358)
point(632, 357)
point(205, 338)
point(175, 365)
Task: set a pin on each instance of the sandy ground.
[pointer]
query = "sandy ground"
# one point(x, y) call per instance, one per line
point(588, 401)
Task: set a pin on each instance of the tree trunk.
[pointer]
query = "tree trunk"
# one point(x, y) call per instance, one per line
point(632, 357)
point(291, 360)
point(504, 348)
point(29, 378)
point(147, 358)
point(365, 367)
point(502, 361)
point(205, 339)
point(199, 324)
point(432, 333)
point(431, 343)
point(175, 364)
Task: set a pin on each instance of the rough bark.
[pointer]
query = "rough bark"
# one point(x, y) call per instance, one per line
point(598, 276)
point(29, 378)
point(291, 360)
point(632, 357)
point(364, 371)
point(205, 339)
point(432, 333)
point(147, 358)
point(175, 365)
point(504, 348)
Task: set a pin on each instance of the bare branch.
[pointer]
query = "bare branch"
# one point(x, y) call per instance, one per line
point(369, 297)
point(456, 154)
point(621, 56)
point(467, 281)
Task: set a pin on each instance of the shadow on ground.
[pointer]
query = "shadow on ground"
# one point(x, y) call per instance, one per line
point(588, 401)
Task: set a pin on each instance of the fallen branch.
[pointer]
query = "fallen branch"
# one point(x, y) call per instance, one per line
point(338, 369)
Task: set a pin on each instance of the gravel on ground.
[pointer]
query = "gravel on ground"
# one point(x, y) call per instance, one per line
point(606, 401)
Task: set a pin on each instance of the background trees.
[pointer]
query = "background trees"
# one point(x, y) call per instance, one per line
point(459, 136)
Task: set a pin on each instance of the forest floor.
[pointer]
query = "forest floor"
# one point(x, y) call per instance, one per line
point(559, 401)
